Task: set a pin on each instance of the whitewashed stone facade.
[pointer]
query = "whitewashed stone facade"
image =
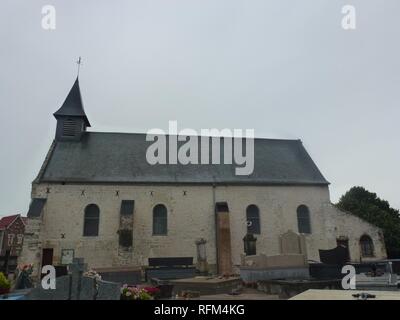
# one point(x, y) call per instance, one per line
point(190, 216)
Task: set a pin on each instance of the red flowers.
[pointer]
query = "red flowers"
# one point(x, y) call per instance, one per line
point(152, 290)
point(138, 293)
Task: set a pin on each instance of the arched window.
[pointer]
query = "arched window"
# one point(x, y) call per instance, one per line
point(303, 219)
point(367, 246)
point(253, 219)
point(160, 220)
point(91, 223)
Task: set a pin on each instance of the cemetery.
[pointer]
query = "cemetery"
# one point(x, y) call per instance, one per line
point(282, 276)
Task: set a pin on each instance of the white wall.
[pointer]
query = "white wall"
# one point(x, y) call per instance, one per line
point(191, 216)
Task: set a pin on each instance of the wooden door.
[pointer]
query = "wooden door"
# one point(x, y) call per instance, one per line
point(47, 257)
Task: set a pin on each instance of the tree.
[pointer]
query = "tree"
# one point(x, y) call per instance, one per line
point(371, 208)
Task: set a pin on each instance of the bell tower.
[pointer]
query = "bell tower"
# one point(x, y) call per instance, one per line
point(71, 118)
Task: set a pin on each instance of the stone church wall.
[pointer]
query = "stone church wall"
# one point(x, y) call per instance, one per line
point(344, 225)
point(190, 217)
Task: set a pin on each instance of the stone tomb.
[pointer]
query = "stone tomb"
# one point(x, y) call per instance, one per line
point(290, 264)
point(76, 286)
point(206, 285)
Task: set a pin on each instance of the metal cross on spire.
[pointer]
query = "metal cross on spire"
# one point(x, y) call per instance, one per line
point(79, 62)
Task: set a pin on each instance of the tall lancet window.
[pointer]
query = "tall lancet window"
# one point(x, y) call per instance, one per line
point(91, 222)
point(160, 220)
point(253, 219)
point(303, 219)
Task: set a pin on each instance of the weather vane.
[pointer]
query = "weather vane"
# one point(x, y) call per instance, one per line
point(79, 62)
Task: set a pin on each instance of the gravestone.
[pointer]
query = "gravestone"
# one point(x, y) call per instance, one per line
point(292, 243)
point(61, 292)
point(88, 289)
point(77, 268)
point(108, 291)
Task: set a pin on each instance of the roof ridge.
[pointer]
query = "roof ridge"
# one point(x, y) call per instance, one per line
point(45, 162)
point(166, 134)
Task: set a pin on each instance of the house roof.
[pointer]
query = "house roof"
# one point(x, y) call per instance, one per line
point(121, 158)
point(5, 222)
point(73, 106)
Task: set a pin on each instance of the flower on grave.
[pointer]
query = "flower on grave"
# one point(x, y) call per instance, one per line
point(92, 274)
point(138, 293)
point(153, 291)
point(143, 295)
point(26, 268)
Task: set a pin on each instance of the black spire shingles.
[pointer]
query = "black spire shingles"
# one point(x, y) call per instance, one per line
point(73, 106)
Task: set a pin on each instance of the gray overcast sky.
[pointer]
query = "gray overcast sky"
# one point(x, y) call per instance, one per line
point(285, 68)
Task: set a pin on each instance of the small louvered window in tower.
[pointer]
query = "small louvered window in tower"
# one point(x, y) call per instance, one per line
point(69, 128)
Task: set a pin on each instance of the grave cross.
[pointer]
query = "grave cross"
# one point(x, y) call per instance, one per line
point(77, 268)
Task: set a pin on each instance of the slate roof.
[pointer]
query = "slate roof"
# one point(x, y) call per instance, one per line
point(73, 105)
point(121, 158)
point(36, 207)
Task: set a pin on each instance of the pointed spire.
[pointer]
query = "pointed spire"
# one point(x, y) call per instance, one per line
point(73, 105)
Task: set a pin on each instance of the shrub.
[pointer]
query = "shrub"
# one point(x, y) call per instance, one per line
point(4, 283)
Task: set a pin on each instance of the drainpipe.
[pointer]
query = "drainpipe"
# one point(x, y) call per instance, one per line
point(216, 226)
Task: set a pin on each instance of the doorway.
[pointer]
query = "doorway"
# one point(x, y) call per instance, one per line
point(47, 256)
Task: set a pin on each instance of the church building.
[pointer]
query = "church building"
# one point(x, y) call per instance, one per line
point(96, 197)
